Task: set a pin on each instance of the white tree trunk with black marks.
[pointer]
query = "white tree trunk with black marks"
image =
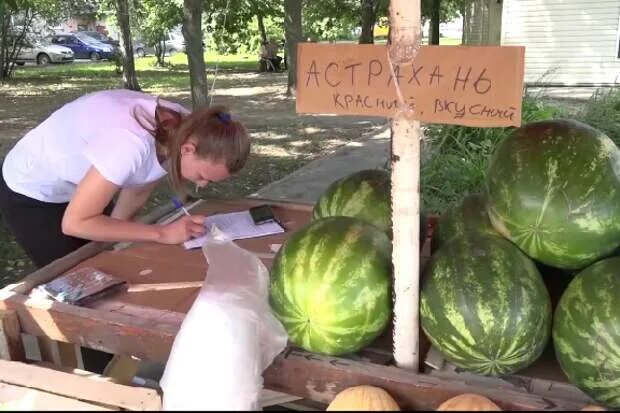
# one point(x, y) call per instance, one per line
point(405, 29)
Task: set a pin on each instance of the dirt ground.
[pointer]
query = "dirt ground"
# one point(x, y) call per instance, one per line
point(282, 140)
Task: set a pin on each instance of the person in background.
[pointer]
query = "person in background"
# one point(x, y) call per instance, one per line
point(269, 53)
point(285, 59)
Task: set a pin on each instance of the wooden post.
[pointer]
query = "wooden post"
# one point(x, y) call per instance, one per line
point(404, 43)
point(11, 345)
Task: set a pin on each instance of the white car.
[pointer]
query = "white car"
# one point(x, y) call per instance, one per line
point(43, 53)
point(174, 41)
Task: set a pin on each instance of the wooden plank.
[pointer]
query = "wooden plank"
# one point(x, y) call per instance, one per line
point(122, 368)
point(74, 386)
point(280, 203)
point(138, 288)
point(274, 398)
point(320, 378)
point(139, 311)
point(15, 398)
point(117, 333)
point(11, 345)
point(59, 353)
point(541, 387)
point(79, 372)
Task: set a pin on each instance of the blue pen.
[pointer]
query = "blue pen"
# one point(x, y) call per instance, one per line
point(179, 205)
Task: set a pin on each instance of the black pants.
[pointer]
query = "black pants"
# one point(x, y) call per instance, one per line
point(36, 226)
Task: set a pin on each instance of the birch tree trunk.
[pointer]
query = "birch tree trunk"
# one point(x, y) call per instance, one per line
point(405, 33)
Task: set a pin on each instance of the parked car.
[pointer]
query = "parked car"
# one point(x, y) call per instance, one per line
point(140, 49)
point(101, 37)
point(43, 53)
point(84, 47)
point(174, 43)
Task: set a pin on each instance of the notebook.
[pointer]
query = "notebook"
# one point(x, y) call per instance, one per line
point(236, 225)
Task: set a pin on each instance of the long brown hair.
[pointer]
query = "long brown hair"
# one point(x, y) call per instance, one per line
point(218, 136)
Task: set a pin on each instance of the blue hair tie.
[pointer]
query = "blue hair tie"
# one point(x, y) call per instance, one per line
point(224, 117)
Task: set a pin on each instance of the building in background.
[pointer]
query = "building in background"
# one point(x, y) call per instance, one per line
point(568, 42)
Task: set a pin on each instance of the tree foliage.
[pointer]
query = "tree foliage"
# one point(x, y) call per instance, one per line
point(235, 26)
point(154, 18)
point(18, 20)
point(338, 19)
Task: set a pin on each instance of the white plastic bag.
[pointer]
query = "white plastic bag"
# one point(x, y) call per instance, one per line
point(228, 338)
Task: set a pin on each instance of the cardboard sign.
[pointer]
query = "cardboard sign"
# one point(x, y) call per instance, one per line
point(464, 85)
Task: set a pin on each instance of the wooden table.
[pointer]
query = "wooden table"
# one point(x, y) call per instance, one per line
point(143, 323)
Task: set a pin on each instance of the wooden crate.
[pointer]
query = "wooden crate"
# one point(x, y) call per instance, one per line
point(143, 323)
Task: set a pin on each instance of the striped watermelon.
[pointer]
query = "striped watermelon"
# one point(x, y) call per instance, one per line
point(363, 194)
point(484, 305)
point(467, 216)
point(554, 190)
point(331, 285)
point(586, 331)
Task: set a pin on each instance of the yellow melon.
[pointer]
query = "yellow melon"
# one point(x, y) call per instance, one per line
point(364, 398)
point(469, 402)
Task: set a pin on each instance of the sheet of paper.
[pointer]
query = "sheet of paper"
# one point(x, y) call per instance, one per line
point(236, 225)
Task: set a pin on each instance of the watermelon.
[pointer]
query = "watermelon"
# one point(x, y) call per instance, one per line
point(331, 285)
point(469, 215)
point(553, 188)
point(364, 195)
point(586, 331)
point(484, 305)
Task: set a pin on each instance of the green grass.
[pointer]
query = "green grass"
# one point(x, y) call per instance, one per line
point(602, 111)
point(446, 41)
point(103, 73)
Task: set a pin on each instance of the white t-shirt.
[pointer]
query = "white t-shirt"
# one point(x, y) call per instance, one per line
point(98, 129)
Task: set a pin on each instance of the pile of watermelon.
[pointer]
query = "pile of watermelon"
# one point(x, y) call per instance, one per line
point(550, 203)
point(549, 209)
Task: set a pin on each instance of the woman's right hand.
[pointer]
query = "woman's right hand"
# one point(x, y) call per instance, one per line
point(182, 229)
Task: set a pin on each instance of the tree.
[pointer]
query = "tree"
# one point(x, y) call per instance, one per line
point(230, 22)
point(433, 35)
point(368, 22)
point(261, 27)
point(369, 11)
point(331, 19)
point(156, 17)
point(192, 32)
point(293, 33)
point(17, 18)
point(440, 11)
point(130, 80)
